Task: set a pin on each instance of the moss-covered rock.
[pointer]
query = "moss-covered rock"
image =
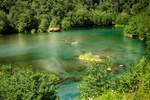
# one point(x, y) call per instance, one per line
point(90, 57)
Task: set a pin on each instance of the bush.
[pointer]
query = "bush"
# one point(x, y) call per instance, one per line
point(55, 22)
point(33, 31)
point(44, 24)
point(137, 95)
point(66, 23)
point(24, 22)
point(132, 27)
point(122, 19)
point(19, 83)
point(140, 26)
point(101, 82)
point(101, 17)
point(4, 23)
point(80, 16)
point(97, 80)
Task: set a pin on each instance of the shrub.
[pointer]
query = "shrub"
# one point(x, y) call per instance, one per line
point(44, 25)
point(97, 80)
point(99, 17)
point(33, 31)
point(101, 82)
point(55, 22)
point(122, 19)
point(4, 23)
point(80, 15)
point(66, 23)
point(24, 22)
point(19, 83)
point(132, 28)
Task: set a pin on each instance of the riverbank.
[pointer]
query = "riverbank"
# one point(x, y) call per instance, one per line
point(132, 83)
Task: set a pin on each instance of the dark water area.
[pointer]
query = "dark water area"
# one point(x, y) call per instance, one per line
point(58, 52)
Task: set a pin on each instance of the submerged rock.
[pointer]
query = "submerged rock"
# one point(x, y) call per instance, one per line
point(130, 35)
point(74, 43)
point(109, 69)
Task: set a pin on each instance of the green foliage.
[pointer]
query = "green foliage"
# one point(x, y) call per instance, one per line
point(66, 23)
point(139, 6)
point(132, 28)
point(55, 22)
point(97, 80)
point(101, 17)
point(20, 83)
point(44, 25)
point(80, 16)
point(4, 23)
point(122, 19)
point(103, 14)
point(101, 82)
point(119, 26)
point(58, 9)
point(139, 25)
point(137, 95)
point(33, 31)
point(25, 15)
point(24, 22)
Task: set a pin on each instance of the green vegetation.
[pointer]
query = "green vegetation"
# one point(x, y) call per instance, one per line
point(33, 31)
point(139, 26)
point(43, 25)
point(137, 95)
point(96, 81)
point(133, 83)
point(5, 25)
point(23, 16)
point(122, 20)
point(20, 83)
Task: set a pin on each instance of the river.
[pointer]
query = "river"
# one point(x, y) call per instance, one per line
point(58, 52)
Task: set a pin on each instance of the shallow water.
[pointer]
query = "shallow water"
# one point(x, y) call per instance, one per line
point(58, 52)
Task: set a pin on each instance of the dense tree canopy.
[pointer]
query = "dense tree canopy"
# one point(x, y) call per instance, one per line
point(24, 16)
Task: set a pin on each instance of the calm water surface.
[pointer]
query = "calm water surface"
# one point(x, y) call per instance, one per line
point(58, 52)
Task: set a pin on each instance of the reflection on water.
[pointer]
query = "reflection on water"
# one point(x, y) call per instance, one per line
point(58, 52)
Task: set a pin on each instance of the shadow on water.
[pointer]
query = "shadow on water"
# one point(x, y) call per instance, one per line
point(58, 52)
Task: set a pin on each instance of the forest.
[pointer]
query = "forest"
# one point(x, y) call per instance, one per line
point(37, 16)
point(24, 16)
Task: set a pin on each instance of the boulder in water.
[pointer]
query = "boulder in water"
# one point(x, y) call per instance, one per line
point(90, 57)
point(54, 29)
point(74, 43)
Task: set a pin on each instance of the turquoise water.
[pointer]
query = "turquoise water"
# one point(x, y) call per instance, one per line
point(58, 52)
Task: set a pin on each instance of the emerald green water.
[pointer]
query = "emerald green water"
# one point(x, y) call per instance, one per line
point(58, 52)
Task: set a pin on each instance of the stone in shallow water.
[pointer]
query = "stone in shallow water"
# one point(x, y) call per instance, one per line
point(90, 57)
